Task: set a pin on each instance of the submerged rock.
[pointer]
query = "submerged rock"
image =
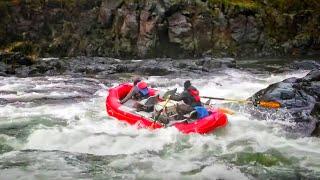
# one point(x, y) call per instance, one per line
point(300, 97)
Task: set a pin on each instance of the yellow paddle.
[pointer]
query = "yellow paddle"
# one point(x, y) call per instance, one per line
point(159, 113)
point(265, 104)
point(164, 106)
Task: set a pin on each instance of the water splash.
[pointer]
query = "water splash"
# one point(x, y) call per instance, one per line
point(78, 135)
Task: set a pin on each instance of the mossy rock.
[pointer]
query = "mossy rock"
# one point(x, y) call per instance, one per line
point(267, 159)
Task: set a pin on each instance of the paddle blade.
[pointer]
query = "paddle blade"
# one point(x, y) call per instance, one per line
point(226, 110)
point(270, 104)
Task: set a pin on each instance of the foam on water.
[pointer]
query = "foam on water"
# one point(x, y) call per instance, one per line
point(164, 152)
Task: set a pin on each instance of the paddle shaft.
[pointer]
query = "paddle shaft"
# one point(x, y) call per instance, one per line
point(164, 106)
point(266, 104)
point(225, 99)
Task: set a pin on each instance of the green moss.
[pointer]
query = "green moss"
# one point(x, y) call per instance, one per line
point(245, 4)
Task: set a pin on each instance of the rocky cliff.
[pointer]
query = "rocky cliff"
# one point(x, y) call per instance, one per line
point(160, 28)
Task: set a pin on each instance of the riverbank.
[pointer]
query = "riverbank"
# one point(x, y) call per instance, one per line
point(17, 64)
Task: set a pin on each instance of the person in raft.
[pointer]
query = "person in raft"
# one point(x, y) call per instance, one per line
point(191, 101)
point(138, 92)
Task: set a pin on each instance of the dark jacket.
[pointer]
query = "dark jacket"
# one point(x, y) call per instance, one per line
point(186, 97)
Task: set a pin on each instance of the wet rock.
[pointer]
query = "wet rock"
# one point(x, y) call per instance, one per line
point(300, 97)
point(23, 71)
point(210, 64)
point(91, 65)
point(15, 58)
point(14, 62)
point(3, 69)
point(156, 68)
point(305, 65)
point(103, 67)
point(42, 68)
point(51, 67)
point(187, 65)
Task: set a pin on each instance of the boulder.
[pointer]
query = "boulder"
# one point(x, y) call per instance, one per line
point(210, 64)
point(300, 101)
point(15, 58)
point(155, 68)
point(305, 65)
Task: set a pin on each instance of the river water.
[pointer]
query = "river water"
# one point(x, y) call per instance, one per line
point(57, 128)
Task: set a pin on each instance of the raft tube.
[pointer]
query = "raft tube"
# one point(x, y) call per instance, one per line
point(215, 120)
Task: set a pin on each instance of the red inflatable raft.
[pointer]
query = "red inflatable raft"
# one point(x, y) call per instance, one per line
point(121, 112)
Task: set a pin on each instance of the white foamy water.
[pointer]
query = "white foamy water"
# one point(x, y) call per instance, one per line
point(246, 149)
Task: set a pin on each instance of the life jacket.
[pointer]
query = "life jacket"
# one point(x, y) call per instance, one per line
point(195, 94)
point(143, 88)
point(202, 112)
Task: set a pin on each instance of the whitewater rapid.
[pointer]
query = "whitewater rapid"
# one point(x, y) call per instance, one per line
point(57, 128)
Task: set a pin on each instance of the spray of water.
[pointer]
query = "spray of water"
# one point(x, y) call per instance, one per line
point(78, 134)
